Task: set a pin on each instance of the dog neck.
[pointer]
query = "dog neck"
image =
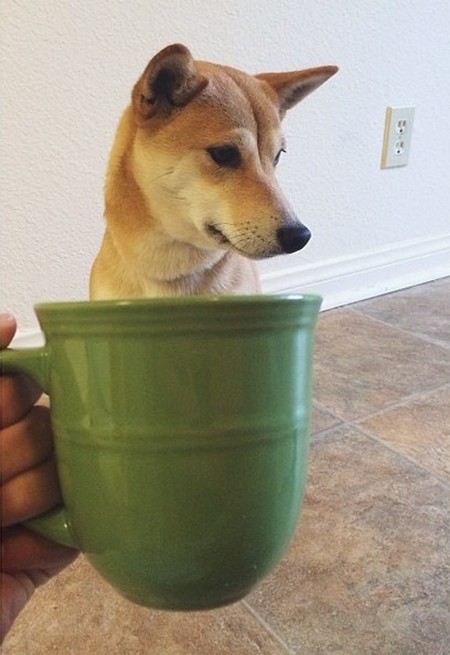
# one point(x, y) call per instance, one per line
point(178, 270)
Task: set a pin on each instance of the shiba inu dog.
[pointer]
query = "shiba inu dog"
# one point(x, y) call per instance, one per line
point(191, 197)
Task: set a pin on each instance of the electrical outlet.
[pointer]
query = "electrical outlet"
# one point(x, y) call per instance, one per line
point(397, 136)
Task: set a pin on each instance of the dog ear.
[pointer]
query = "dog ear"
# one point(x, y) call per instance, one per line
point(170, 80)
point(292, 87)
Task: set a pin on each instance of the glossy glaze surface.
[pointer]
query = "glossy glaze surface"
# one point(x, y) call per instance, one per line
point(182, 439)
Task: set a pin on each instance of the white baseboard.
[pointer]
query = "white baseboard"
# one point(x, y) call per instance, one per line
point(347, 280)
point(28, 339)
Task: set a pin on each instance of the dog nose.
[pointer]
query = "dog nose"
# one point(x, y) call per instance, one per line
point(293, 238)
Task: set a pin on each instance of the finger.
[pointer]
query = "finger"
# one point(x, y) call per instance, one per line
point(8, 328)
point(30, 494)
point(22, 554)
point(16, 591)
point(22, 550)
point(26, 444)
point(17, 394)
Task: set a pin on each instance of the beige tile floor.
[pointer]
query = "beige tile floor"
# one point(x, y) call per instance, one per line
point(368, 572)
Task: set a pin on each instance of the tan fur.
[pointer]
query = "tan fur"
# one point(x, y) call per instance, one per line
point(177, 222)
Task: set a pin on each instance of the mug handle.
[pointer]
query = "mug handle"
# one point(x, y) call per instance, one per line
point(34, 362)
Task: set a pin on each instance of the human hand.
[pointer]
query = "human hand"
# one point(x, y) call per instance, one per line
point(29, 487)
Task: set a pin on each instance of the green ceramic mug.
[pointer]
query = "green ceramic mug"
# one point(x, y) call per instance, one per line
point(181, 434)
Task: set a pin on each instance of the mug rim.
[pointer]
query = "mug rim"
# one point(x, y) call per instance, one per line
point(308, 299)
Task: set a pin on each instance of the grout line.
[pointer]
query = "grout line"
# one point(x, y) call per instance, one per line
point(325, 409)
point(401, 454)
point(356, 424)
point(325, 431)
point(267, 627)
point(335, 414)
point(400, 403)
point(416, 335)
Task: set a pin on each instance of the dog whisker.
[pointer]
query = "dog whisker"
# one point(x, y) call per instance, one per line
point(234, 232)
point(175, 196)
point(168, 172)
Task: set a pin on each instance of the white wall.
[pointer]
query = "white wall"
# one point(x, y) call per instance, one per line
point(67, 67)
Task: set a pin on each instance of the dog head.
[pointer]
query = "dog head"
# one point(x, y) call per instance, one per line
point(205, 149)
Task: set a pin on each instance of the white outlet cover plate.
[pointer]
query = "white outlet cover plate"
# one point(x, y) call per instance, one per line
point(397, 136)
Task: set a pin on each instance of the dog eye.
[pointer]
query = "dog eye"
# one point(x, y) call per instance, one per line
point(277, 158)
point(228, 156)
